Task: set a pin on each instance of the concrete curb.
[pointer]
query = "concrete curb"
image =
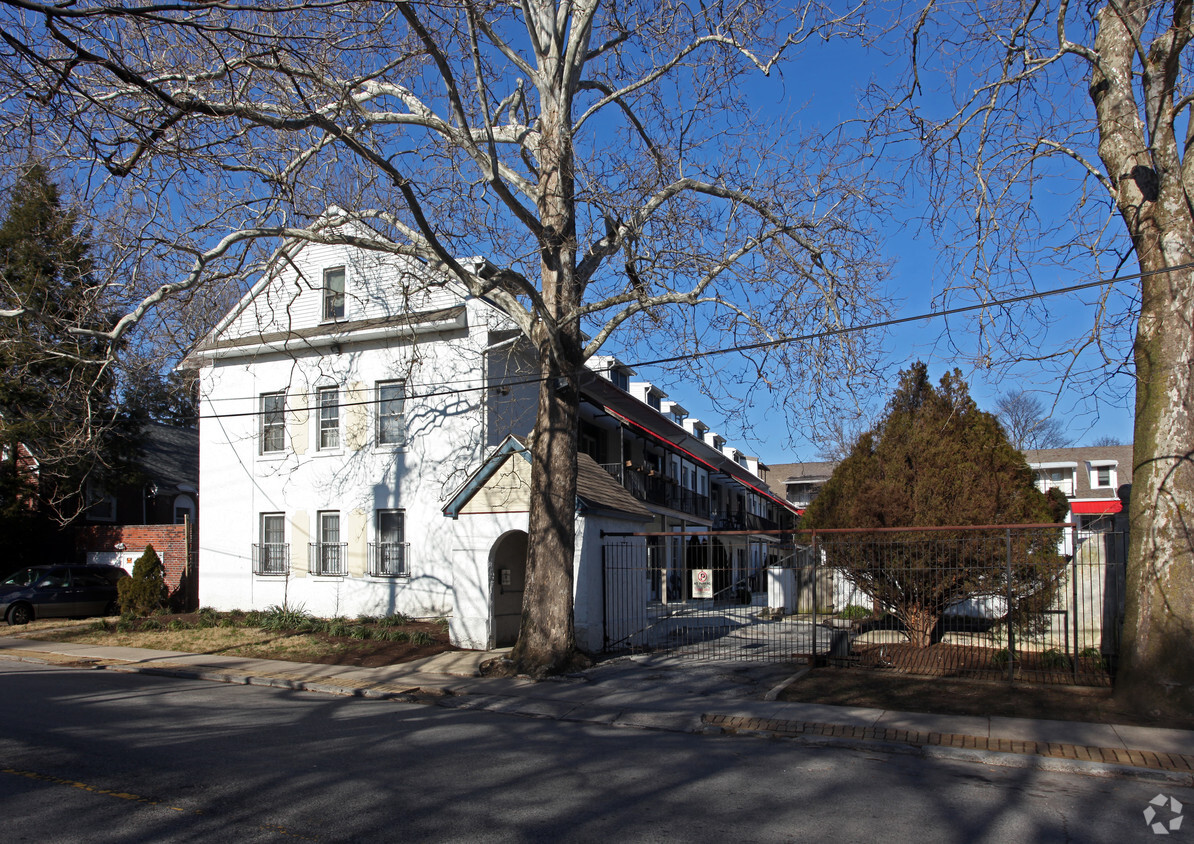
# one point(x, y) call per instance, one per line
point(814, 734)
point(1055, 765)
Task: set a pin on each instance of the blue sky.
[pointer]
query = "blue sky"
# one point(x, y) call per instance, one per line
point(822, 89)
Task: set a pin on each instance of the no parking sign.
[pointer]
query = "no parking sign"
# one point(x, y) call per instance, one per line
point(702, 583)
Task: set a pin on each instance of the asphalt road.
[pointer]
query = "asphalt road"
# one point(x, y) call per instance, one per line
point(98, 756)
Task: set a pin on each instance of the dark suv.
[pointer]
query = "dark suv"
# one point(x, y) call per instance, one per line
point(59, 592)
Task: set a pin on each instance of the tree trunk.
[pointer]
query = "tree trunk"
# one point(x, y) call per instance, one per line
point(1145, 165)
point(919, 625)
point(1157, 671)
point(546, 640)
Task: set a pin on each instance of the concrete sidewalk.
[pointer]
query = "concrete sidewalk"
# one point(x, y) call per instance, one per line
point(671, 694)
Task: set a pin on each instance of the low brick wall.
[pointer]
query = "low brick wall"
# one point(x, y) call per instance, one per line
point(171, 542)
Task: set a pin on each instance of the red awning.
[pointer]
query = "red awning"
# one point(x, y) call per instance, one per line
point(1096, 508)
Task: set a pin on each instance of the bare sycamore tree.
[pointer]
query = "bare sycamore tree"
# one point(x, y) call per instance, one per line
point(604, 159)
point(1058, 138)
point(1027, 422)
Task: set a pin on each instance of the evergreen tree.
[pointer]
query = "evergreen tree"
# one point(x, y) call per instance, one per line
point(936, 460)
point(172, 399)
point(55, 387)
point(145, 591)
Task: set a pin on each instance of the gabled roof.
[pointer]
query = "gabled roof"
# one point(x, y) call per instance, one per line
point(596, 490)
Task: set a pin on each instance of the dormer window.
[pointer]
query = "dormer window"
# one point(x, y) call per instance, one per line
point(333, 293)
point(1103, 474)
point(653, 400)
point(620, 379)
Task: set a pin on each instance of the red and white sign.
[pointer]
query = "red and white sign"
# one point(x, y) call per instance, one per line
point(702, 583)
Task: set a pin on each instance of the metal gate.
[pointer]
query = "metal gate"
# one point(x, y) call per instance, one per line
point(1041, 603)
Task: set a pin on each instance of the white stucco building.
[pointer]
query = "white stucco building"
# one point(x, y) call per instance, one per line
point(356, 454)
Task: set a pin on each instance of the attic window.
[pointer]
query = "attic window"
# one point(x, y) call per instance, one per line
point(333, 293)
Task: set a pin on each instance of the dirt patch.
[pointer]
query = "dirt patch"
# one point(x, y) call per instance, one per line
point(982, 663)
point(889, 689)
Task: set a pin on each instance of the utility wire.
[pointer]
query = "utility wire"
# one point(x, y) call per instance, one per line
point(832, 332)
point(765, 344)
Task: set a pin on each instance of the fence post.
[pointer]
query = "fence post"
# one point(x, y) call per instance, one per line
point(1074, 593)
point(605, 596)
point(1011, 626)
point(816, 559)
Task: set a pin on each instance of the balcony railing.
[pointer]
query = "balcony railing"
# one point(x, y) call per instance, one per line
point(329, 559)
point(659, 489)
point(740, 520)
point(389, 559)
point(271, 558)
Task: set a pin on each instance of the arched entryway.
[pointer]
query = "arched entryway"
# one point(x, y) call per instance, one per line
point(509, 567)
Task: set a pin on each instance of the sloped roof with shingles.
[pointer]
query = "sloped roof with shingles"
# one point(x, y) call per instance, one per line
point(596, 489)
point(168, 454)
point(782, 474)
point(1121, 454)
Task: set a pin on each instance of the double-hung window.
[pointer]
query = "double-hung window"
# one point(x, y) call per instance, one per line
point(333, 293)
point(329, 418)
point(273, 422)
point(388, 556)
point(390, 401)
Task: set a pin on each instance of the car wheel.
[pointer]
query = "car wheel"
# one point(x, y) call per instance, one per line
point(112, 609)
point(20, 614)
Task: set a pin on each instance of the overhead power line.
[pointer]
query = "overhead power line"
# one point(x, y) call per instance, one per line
point(765, 344)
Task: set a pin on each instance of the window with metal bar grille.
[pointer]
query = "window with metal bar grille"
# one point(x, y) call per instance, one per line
point(272, 555)
point(329, 556)
point(388, 557)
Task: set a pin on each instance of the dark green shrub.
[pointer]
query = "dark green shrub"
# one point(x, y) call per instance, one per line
point(145, 592)
point(421, 637)
point(1054, 659)
point(852, 612)
point(395, 620)
point(278, 618)
point(151, 623)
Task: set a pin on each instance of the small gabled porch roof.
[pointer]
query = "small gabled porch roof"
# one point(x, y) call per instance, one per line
point(596, 491)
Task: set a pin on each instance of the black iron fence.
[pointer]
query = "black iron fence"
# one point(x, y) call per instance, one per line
point(1026, 602)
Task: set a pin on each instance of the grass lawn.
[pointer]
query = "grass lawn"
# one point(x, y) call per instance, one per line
point(367, 642)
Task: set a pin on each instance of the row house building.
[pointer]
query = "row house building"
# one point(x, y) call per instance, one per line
point(363, 451)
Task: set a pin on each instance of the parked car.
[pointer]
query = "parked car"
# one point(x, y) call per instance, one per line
point(59, 592)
